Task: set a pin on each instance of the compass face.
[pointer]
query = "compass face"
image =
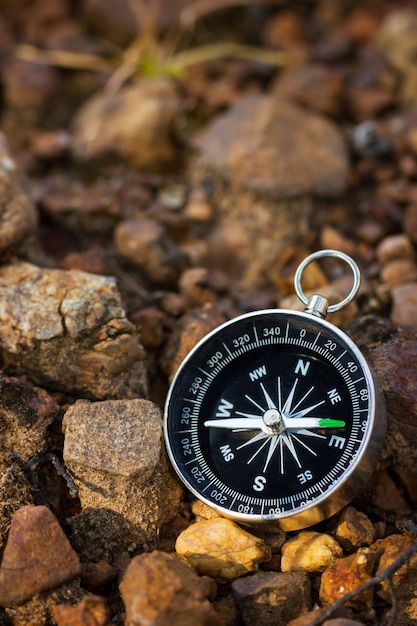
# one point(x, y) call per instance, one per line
point(274, 418)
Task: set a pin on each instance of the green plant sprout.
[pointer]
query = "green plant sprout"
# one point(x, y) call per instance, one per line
point(151, 54)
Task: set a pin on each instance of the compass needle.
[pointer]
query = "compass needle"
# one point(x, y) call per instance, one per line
point(274, 417)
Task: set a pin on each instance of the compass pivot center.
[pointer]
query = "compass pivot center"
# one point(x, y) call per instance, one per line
point(273, 421)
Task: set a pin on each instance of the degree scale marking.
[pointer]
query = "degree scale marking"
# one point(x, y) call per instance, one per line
point(311, 345)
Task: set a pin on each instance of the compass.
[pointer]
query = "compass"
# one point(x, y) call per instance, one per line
point(274, 418)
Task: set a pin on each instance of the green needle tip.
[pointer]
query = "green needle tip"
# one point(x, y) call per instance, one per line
point(329, 423)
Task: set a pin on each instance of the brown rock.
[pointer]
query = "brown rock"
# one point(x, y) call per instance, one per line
point(354, 530)
point(145, 243)
point(158, 589)
point(403, 581)
point(309, 552)
point(91, 611)
point(135, 124)
point(37, 556)
point(193, 327)
point(297, 152)
point(410, 222)
point(221, 549)
point(392, 354)
point(404, 305)
point(399, 272)
point(347, 574)
point(315, 86)
point(115, 454)
point(194, 285)
point(395, 247)
point(25, 414)
point(270, 598)
point(18, 216)
point(69, 327)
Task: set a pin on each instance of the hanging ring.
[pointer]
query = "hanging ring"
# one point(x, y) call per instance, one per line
point(335, 254)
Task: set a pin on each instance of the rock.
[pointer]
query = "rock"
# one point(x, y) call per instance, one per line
point(192, 328)
point(194, 285)
point(298, 153)
point(384, 494)
point(69, 328)
point(91, 611)
point(96, 576)
point(317, 87)
point(28, 88)
point(158, 589)
point(404, 305)
point(114, 451)
point(18, 216)
point(396, 39)
point(392, 354)
point(135, 124)
point(354, 530)
point(270, 598)
point(395, 247)
point(221, 549)
point(399, 272)
point(347, 574)
point(25, 414)
point(37, 557)
point(145, 243)
point(410, 221)
point(309, 552)
point(403, 581)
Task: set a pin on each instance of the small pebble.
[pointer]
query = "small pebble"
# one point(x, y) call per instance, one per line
point(271, 598)
point(354, 530)
point(346, 574)
point(221, 549)
point(158, 589)
point(145, 243)
point(309, 552)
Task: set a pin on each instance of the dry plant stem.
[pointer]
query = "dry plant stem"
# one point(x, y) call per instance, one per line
point(386, 574)
point(63, 58)
point(211, 52)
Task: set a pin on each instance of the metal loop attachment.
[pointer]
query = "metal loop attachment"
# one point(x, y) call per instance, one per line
point(319, 305)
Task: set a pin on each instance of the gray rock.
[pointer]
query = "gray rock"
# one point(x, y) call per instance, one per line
point(114, 451)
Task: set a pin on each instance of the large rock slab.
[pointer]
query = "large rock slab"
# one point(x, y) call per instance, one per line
point(114, 450)
point(68, 329)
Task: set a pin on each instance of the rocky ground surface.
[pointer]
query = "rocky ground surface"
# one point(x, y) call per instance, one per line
point(140, 207)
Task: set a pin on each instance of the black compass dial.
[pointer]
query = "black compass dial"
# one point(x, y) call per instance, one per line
point(270, 419)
